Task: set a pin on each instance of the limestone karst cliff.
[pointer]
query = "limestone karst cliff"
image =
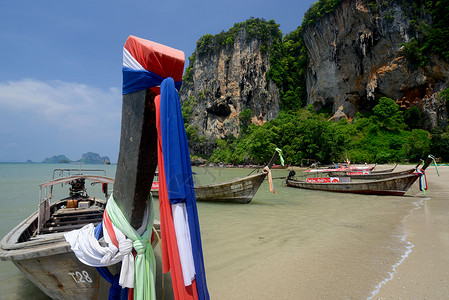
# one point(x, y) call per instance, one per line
point(356, 56)
point(228, 78)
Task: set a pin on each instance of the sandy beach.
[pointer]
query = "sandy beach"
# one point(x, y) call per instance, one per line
point(424, 273)
point(354, 261)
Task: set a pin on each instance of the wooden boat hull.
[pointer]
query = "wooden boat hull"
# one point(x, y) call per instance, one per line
point(396, 186)
point(48, 261)
point(63, 276)
point(238, 191)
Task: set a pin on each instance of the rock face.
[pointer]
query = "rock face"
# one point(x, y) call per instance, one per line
point(227, 82)
point(355, 57)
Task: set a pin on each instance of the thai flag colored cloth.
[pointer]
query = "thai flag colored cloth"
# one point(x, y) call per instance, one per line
point(176, 189)
point(150, 65)
point(146, 64)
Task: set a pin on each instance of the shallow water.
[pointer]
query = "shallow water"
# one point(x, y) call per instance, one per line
point(280, 246)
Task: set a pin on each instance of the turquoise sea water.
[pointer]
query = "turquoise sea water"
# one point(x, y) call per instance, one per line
point(287, 243)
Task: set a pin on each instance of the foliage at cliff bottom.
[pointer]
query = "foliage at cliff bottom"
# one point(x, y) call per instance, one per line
point(380, 137)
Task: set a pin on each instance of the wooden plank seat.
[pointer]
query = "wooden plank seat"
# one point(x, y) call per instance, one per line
point(79, 215)
point(74, 211)
point(63, 228)
point(57, 222)
point(67, 219)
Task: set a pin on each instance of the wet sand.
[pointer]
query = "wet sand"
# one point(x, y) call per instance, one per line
point(424, 273)
point(370, 247)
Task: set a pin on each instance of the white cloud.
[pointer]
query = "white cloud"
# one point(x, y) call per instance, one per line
point(57, 117)
point(67, 104)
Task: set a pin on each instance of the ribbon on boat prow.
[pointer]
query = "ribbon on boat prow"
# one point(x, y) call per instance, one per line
point(267, 169)
point(423, 178)
point(149, 65)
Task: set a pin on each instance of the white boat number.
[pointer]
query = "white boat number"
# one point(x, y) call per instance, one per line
point(239, 186)
point(80, 277)
point(236, 186)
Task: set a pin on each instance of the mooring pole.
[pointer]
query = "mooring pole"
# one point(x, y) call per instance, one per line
point(137, 160)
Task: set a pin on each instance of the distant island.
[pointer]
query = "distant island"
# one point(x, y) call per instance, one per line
point(86, 158)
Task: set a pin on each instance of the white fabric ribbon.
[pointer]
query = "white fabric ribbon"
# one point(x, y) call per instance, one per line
point(89, 251)
point(184, 242)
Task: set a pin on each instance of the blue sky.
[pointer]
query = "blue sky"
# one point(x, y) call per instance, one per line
point(60, 75)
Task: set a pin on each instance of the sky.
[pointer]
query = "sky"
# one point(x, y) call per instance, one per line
point(60, 74)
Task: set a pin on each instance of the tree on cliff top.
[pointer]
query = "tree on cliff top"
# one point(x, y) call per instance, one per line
point(267, 32)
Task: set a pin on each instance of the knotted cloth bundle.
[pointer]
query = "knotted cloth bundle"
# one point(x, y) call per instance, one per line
point(120, 238)
point(150, 65)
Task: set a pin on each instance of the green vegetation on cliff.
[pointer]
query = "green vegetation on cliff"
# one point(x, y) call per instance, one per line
point(266, 32)
point(318, 10)
point(380, 137)
point(430, 38)
point(288, 62)
point(385, 135)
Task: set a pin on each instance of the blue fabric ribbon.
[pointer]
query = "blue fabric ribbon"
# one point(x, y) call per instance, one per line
point(178, 173)
point(115, 291)
point(137, 80)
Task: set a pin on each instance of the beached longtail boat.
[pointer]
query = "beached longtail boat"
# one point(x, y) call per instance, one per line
point(343, 169)
point(357, 172)
point(240, 190)
point(397, 186)
point(37, 245)
point(380, 175)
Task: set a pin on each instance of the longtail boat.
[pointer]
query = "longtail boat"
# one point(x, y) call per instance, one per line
point(381, 175)
point(37, 245)
point(343, 169)
point(397, 185)
point(240, 190)
point(68, 264)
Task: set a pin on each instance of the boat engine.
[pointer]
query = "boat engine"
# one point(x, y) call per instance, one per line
point(291, 174)
point(78, 186)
